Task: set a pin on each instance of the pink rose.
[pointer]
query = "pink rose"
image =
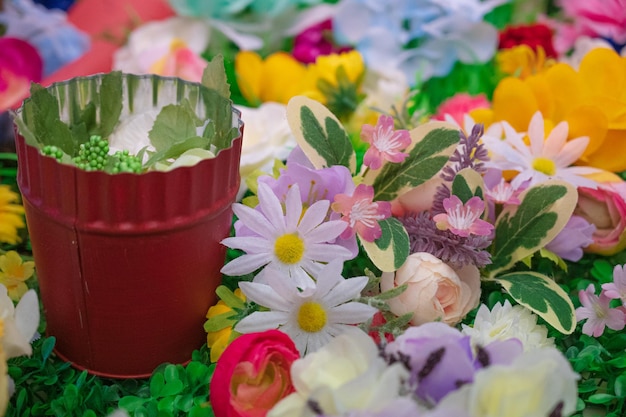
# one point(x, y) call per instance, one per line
point(435, 290)
point(20, 63)
point(459, 105)
point(253, 374)
point(605, 207)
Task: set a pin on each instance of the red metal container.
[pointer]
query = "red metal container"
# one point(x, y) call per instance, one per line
point(128, 264)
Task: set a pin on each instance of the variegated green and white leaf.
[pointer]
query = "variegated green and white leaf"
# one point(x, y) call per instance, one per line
point(467, 184)
point(320, 134)
point(522, 230)
point(390, 250)
point(543, 296)
point(432, 145)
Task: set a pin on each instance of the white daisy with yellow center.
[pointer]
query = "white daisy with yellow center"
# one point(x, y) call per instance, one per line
point(311, 317)
point(294, 243)
point(543, 157)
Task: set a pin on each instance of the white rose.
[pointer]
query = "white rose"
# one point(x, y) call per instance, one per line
point(346, 374)
point(435, 290)
point(20, 322)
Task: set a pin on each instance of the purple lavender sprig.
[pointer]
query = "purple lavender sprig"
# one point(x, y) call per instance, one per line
point(457, 251)
point(468, 154)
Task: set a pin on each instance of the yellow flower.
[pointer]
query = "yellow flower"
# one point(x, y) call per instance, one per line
point(592, 100)
point(219, 340)
point(522, 61)
point(14, 272)
point(11, 215)
point(277, 78)
point(325, 68)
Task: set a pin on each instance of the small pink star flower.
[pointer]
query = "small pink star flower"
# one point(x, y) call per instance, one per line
point(598, 313)
point(385, 142)
point(361, 213)
point(504, 193)
point(617, 288)
point(463, 219)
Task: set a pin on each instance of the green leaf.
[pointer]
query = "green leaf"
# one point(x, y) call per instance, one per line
point(173, 387)
point(174, 123)
point(600, 398)
point(468, 183)
point(46, 125)
point(177, 149)
point(389, 251)
point(131, 402)
point(214, 77)
point(433, 144)
point(543, 296)
point(220, 111)
point(320, 134)
point(524, 229)
point(219, 322)
point(70, 396)
point(111, 99)
point(229, 297)
point(47, 347)
point(157, 382)
point(620, 386)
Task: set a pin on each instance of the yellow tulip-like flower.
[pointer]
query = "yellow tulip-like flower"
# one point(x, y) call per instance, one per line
point(277, 78)
point(219, 340)
point(326, 66)
point(592, 100)
point(13, 274)
point(11, 215)
point(522, 61)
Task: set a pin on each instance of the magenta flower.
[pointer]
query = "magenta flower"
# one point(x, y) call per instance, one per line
point(385, 142)
point(463, 219)
point(616, 289)
point(361, 213)
point(598, 313)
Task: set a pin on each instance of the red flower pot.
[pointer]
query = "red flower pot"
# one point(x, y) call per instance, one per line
point(128, 263)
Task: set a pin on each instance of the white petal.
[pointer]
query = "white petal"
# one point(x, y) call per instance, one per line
point(352, 313)
point(259, 321)
point(248, 244)
point(270, 204)
point(14, 342)
point(27, 315)
point(245, 264)
point(265, 295)
point(326, 231)
point(314, 216)
point(346, 290)
point(325, 252)
point(556, 140)
point(536, 134)
point(255, 220)
point(293, 208)
point(572, 151)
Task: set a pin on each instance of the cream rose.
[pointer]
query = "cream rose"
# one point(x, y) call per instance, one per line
point(435, 290)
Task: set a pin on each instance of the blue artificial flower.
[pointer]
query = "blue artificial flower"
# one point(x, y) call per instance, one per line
point(227, 9)
point(56, 39)
point(422, 38)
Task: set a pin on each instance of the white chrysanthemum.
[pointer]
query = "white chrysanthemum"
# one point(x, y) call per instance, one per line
point(294, 243)
point(506, 321)
point(311, 317)
point(543, 158)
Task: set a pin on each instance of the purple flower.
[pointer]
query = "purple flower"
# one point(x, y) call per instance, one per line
point(576, 235)
point(598, 312)
point(440, 358)
point(616, 290)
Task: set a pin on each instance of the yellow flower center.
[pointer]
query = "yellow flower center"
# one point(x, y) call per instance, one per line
point(311, 317)
point(544, 165)
point(289, 248)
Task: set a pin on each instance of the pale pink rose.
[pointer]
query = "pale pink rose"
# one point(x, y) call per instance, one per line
point(435, 290)
point(605, 207)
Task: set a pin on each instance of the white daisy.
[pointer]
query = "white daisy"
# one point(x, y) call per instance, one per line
point(311, 317)
point(542, 159)
point(290, 241)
